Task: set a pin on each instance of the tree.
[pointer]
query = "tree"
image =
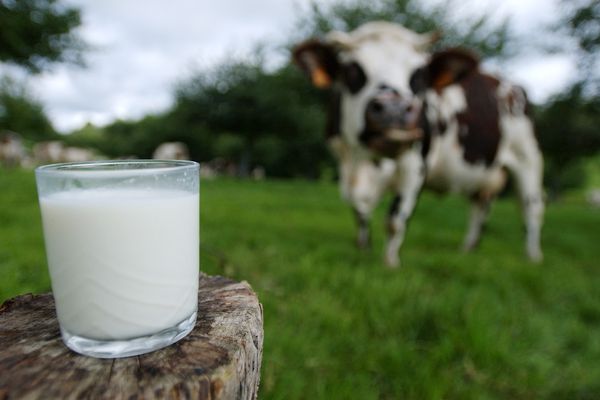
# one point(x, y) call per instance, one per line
point(256, 117)
point(34, 34)
point(582, 24)
point(37, 33)
point(21, 113)
point(568, 123)
point(568, 129)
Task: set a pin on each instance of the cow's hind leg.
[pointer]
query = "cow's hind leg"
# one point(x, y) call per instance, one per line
point(480, 209)
point(532, 203)
point(527, 172)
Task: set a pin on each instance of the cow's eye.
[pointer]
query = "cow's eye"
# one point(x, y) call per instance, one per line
point(354, 77)
point(418, 81)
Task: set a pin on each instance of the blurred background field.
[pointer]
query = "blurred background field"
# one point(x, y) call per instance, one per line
point(339, 325)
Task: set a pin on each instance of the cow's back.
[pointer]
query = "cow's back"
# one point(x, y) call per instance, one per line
point(476, 126)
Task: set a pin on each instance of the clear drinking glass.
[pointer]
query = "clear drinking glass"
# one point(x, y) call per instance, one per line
point(122, 243)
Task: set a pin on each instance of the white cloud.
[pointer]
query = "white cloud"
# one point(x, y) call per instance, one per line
point(543, 76)
point(141, 49)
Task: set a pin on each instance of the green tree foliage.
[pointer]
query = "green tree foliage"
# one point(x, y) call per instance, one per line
point(583, 25)
point(569, 130)
point(239, 112)
point(88, 136)
point(132, 138)
point(36, 33)
point(569, 123)
point(257, 117)
point(21, 113)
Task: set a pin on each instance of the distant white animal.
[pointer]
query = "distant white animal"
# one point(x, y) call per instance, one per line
point(77, 154)
point(593, 197)
point(171, 151)
point(55, 151)
point(258, 173)
point(207, 172)
point(12, 151)
point(48, 152)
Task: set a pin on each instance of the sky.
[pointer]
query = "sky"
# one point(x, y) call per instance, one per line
point(141, 49)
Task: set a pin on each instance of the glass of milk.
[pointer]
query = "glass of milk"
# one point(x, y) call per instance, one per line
point(122, 243)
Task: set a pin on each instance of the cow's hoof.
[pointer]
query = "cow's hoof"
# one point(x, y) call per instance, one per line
point(469, 244)
point(392, 261)
point(468, 247)
point(535, 256)
point(363, 245)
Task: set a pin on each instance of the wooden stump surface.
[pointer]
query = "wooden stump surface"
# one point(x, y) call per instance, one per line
point(219, 359)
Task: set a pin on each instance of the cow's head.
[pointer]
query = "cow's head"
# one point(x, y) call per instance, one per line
point(381, 71)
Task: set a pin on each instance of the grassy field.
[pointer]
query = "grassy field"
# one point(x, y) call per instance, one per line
point(339, 325)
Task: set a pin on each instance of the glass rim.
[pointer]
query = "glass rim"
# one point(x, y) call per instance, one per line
point(108, 168)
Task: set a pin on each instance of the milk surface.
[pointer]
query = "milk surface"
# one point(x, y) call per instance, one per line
point(123, 263)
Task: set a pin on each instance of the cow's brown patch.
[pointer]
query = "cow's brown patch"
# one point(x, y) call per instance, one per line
point(444, 79)
point(479, 124)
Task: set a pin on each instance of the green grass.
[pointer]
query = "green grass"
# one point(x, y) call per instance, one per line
point(340, 325)
point(592, 171)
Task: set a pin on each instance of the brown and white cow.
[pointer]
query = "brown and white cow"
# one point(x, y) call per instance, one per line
point(401, 119)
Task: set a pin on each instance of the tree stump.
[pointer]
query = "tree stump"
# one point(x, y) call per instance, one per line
point(219, 359)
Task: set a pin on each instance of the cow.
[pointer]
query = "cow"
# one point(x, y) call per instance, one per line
point(55, 151)
point(172, 151)
point(401, 119)
point(12, 150)
point(48, 152)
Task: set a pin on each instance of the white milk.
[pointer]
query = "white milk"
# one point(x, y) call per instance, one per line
point(123, 263)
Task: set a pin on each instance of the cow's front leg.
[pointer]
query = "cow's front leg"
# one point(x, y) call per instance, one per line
point(362, 184)
point(400, 211)
point(408, 188)
point(364, 202)
point(363, 238)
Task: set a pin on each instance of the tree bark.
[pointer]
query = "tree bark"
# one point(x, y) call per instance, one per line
point(219, 359)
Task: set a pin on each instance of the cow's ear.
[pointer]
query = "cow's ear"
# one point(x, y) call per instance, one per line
point(449, 66)
point(318, 60)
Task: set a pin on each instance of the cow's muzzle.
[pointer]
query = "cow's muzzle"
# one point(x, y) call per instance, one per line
point(391, 123)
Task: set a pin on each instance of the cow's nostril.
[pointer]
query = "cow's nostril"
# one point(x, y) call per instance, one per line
point(376, 107)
